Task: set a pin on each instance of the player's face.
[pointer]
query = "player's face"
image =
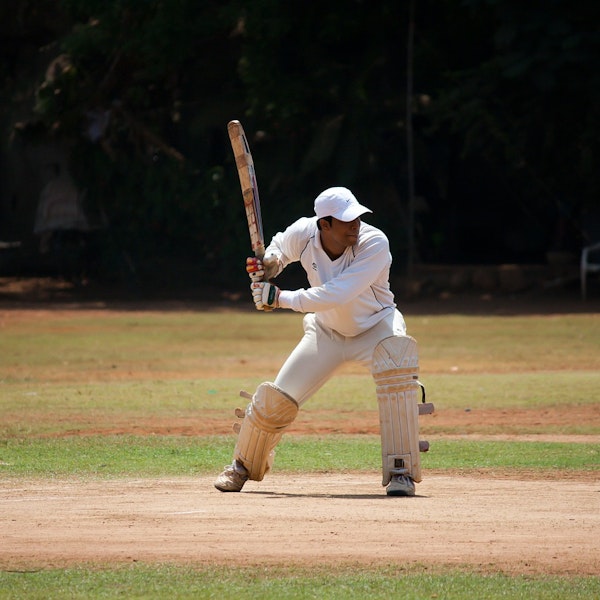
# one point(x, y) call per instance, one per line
point(346, 232)
point(339, 235)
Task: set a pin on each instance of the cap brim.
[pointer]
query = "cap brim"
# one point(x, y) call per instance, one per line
point(352, 212)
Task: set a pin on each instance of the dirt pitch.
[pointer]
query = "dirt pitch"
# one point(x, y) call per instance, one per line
point(523, 524)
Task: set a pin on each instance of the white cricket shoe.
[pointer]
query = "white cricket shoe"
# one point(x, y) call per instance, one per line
point(401, 485)
point(233, 478)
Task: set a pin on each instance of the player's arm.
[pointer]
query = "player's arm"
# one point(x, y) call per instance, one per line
point(285, 248)
point(362, 273)
point(359, 276)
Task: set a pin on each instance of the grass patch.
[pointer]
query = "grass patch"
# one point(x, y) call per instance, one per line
point(507, 343)
point(141, 345)
point(59, 408)
point(46, 347)
point(515, 390)
point(533, 390)
point(155, 456)
point(178, 582)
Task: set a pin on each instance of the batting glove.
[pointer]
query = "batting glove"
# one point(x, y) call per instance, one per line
point(262, 270)
point(272, 266)
point(255, 268)
point(265, 295)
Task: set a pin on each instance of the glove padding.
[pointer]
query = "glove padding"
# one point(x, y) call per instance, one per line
point(265, 295)
point(262, 270)
point(255, 268)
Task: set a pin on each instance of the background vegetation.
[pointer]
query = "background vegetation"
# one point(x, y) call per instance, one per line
point(501, 98)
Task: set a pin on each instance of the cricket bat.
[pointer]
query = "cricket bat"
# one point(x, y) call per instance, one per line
point(247, 174)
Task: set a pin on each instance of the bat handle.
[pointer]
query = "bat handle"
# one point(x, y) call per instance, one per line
point(259, 251)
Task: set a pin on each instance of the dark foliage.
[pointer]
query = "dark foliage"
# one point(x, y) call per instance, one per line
point(505, 113)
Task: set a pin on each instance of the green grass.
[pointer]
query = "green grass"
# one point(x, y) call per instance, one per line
point(108, 342)
point(179, 582)
point(154, 456)
point(515, 390)
point(81, 406)
point(508, 343)
point(56, 408)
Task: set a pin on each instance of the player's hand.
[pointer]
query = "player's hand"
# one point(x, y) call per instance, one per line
point(262, 270)
point(255, 268)
point(265, 295)
point(271, 266)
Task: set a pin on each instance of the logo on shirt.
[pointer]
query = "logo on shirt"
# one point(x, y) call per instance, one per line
point(314, 267)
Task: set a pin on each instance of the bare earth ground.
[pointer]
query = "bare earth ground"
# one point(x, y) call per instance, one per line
point(528, 523)
point(475, 522)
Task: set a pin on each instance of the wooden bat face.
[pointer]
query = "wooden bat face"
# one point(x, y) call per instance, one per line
point(248, 183)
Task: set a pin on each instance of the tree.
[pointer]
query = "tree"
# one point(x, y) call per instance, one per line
point(138, 94)
point(502, 107)
point(530, 110)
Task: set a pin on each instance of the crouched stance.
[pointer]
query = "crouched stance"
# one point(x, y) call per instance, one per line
point(350, 316)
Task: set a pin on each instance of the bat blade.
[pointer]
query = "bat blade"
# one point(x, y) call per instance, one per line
point(247, 175)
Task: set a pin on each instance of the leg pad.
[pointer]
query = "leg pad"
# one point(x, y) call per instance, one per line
point(395, 369)
point(267, 416)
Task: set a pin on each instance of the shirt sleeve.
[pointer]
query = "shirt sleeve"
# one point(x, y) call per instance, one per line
point(371, 259)
point(288, 245)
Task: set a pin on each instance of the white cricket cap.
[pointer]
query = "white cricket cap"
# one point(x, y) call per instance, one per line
point(339, 202)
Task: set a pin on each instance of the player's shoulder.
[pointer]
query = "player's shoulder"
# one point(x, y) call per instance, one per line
point(370, 232)
point(304, 225)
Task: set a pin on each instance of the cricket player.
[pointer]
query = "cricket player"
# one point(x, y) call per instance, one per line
point(350, 315)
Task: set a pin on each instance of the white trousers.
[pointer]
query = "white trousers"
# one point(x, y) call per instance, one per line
point(321, 351)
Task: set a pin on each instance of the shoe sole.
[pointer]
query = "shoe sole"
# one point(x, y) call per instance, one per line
point(227, 485)
point(401, 493)
point(400, 490)
point(226, 490)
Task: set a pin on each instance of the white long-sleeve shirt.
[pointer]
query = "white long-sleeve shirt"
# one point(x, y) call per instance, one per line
point(350, 294)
